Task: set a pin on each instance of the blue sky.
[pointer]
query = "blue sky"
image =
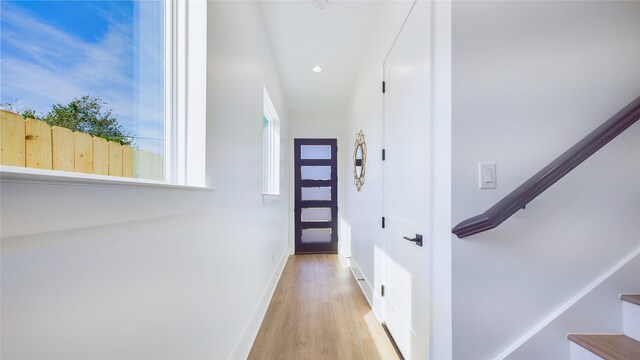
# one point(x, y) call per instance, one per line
point(54, 51)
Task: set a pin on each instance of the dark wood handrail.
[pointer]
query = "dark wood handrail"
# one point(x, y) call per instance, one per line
point(551, 173)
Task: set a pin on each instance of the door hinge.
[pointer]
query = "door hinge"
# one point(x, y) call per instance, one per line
point(384, 87)
point(384, 154)
point(383, 222)
point(382, 290)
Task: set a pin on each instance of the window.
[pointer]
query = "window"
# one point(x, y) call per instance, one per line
point(114, 73)
point(271, 148)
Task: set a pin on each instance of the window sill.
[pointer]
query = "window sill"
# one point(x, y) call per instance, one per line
point(270, 197)
point(15, 174)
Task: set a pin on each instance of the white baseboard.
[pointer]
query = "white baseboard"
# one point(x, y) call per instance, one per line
point(244, 344)
point(365, 285)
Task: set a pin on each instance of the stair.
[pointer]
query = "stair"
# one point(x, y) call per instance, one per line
point(612, 346)
point(609, 347)
point(631, 315)
point(631, 298)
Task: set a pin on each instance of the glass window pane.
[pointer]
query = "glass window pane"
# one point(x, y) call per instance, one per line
point(266, 165)
point(105, 58)
point(316, 172)
point(315, 151)
point(271, 147)
point(316, 214)
point(316, 193)
point(316, 235)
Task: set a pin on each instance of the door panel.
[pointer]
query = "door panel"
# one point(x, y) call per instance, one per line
point(316, 193)
point(316, 236)
point(315, 151)
point(316, 196)
point(316, 173)
point(407, 185)
point(316, 214)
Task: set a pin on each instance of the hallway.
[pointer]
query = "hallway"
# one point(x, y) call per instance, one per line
point(318, 312)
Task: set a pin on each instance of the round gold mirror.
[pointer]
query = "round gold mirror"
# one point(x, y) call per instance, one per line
point(359, 160)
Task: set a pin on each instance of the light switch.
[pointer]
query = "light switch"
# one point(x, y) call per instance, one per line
point(487, 175)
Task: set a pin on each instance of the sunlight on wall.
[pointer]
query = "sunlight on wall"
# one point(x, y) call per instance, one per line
point(345, 238)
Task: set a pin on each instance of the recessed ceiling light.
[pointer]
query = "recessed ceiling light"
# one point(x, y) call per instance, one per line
point(316, 69)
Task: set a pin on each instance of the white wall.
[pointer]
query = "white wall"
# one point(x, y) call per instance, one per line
point(104, 272)
point(529, 80)
point(317, 122)
point(364, 208)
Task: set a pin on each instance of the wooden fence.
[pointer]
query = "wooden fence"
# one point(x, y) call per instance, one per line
point(33, 143)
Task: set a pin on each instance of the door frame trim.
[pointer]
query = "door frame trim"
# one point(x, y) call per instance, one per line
point(441, 122)
point(429, 234)
point(321, 247)
point(342, 239)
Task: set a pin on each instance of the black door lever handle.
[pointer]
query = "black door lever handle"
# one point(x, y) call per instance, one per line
point(417, 239)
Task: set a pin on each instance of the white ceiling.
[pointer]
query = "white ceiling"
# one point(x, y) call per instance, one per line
point(334, 38)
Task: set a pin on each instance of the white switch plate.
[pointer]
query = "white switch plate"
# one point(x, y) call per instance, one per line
point(487, 175)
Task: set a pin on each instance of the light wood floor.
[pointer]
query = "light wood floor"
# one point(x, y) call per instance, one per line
point(319, 312)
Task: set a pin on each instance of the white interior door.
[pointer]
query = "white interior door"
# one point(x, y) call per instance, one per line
point(407, 185)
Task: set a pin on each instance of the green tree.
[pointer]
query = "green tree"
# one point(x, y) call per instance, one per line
point(86, 115)
point(29, 114)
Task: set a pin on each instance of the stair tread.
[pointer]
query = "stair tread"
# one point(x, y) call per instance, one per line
point(632, 298)
point(609, 347)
